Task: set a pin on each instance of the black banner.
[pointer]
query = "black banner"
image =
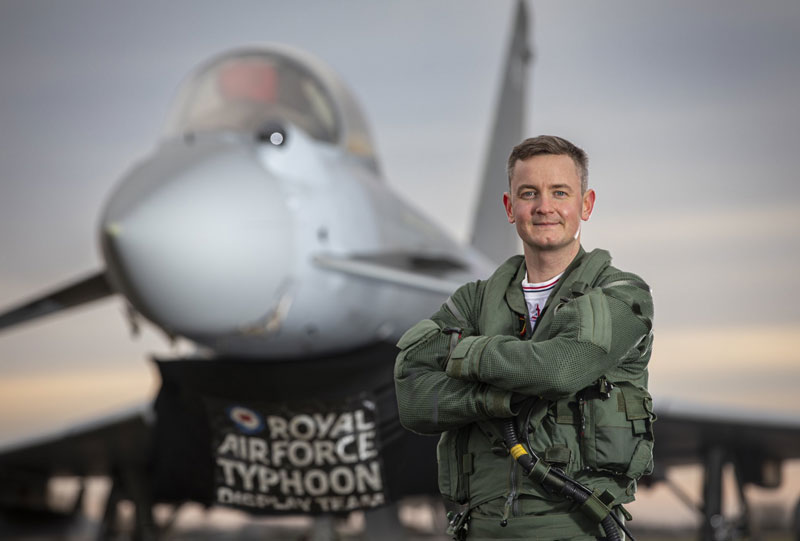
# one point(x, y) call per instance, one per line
point(312, 435)
point(310, 458)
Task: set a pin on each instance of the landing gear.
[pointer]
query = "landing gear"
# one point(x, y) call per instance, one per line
point(384, 523)
point(712, 494)
point(715, 526)
point(129, 485)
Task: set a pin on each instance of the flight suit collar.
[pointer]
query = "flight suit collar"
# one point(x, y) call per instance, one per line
point(514, 296)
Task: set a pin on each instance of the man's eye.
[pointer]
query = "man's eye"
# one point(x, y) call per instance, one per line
point(560, 193)
point(527, 195)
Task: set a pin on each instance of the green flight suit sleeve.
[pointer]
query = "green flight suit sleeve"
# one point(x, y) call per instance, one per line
point(430, 401)
point(590, 335)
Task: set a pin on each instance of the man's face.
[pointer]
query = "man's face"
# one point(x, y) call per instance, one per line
point(545, 202)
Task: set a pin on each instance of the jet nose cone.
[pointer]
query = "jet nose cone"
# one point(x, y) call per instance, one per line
point(200, 241)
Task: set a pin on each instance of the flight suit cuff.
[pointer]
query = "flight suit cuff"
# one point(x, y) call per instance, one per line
point(465, 358)
point(498, 402)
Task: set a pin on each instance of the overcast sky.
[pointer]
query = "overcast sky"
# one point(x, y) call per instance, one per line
point(688, 110)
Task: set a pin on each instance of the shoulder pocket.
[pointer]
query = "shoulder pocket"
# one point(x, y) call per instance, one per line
point(588, 317)
point(418, 333)
point(595, 320)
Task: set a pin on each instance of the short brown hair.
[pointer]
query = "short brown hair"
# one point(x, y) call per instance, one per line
point(550, 144)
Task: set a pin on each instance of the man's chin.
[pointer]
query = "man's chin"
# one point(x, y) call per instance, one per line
point(552, 246)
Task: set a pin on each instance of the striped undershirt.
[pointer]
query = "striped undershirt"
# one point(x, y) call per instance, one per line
point(536, 296)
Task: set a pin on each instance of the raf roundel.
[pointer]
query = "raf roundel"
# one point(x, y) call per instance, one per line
point(246, 420)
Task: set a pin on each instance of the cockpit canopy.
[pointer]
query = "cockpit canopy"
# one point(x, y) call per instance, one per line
point(244, 90)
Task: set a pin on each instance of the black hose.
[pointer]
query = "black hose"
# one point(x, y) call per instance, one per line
point(557, 481)
point(610, 527)
point(512, 440)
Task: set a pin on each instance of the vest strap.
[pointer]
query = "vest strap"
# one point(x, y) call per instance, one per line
point(455, 311)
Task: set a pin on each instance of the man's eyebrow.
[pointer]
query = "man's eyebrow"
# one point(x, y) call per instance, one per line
point(549, 187)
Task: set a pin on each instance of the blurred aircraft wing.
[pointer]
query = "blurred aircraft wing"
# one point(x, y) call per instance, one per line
point(414, 271)
point(97, 447)
point(754, 442)
point(88, 289)
point(685, 433)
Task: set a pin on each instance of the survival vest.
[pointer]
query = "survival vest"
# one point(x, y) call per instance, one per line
point(601, 435)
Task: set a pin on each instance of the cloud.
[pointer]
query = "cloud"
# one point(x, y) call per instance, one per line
point(35, 404)
point(713, 266)
point(714, 226)
point(755, 366)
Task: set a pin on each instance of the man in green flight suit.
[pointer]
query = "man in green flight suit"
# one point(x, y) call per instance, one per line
point(559, 341)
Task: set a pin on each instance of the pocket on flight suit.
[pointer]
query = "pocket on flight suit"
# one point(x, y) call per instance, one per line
point(619, 433)
point(452, 456)
point(418, 334)
point(586, 317)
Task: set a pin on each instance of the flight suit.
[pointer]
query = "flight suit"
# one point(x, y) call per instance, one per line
point(577, 386)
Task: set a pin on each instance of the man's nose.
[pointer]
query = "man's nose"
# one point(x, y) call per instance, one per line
point(545, 205)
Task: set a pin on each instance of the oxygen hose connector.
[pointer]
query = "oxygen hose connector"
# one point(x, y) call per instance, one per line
point(558, 482)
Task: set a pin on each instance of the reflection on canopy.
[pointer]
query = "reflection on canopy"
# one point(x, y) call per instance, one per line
point(244, 90)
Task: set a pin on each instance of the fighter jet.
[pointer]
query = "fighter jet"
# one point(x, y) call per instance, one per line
point(261, 230)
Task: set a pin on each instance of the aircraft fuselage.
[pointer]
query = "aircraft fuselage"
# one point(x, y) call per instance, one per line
point(214, 238)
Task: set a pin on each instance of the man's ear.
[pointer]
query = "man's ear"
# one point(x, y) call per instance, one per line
point(588, 204)
point(509, 208)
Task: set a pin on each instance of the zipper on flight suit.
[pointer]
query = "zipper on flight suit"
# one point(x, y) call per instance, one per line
point(511, 507)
